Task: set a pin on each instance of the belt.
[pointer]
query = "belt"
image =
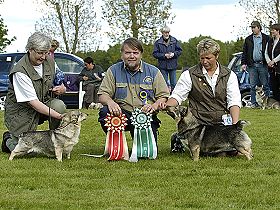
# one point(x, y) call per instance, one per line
point(258, 62)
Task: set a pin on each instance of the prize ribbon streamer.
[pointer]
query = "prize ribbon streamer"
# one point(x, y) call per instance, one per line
point(144, 144)
point(116, 145)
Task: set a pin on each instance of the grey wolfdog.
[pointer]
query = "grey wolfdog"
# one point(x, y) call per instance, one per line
point(52, 142)
point(264, 101)
point(208, 139)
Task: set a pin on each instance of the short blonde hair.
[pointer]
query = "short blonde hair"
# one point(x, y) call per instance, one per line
point(207, 45)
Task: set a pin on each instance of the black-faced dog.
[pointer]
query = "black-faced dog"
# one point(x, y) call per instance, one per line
point(208, 139)
point(52, 142)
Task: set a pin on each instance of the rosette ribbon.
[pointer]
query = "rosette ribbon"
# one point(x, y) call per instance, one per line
point(116, 145)
point(144, 143)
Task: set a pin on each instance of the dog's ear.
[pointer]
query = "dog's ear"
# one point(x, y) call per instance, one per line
point(183, 111)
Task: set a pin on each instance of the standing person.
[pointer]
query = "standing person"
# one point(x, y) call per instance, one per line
point(212, 89)
point(29, 102)
point(167, 51)
point(253, 60)
point(54, 46)
point(126, 82)
point(91, 76)
point(272, 56)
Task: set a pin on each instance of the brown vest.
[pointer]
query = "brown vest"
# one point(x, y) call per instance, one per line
point(205, 106)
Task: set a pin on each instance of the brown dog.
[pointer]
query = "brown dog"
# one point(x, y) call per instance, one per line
point(52, 142)
point(209, 139)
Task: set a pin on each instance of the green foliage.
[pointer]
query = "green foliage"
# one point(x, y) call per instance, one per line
point(71, 21)
point(267, 12)
point(4, 41)
point(140, 19)
point(188, 58)
point(172, 181)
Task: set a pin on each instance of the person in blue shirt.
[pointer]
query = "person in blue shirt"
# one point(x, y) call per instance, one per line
point(253, 60)
point(167, 51)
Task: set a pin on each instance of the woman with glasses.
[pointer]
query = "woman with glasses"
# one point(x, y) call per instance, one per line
point(30, 94)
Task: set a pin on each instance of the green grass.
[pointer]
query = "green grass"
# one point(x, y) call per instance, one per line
point(172, 181)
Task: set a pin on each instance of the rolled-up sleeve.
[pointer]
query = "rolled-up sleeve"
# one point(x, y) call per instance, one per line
point(182, 88)
point(233, 92)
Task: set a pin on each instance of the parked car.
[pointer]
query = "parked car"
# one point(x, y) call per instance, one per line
point(243, 79)
point(70, 64)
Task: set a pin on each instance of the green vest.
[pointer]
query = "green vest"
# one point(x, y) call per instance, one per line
point(21, 117)
point(205, 106)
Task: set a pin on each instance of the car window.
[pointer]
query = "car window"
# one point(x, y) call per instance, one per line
point(68, 66)
point(237, 66)
point(5, 64)
point(231, 63)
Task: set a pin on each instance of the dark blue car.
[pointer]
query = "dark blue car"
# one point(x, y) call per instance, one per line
point(243, 79)
point(70, 64)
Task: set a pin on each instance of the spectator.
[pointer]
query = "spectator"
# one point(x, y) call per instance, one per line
point(167, 50)
point(91, 76)
point(54, 46)
point(253, 60)
point(212, 89)
point(120, 91)
point(29, 100)
point(272, 56)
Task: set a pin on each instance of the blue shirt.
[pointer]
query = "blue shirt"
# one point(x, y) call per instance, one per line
point(257, 52)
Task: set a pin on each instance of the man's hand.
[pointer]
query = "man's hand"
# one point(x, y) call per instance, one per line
point(97, 77)
point(85, 78)
point(114, 108)
point(244, 67)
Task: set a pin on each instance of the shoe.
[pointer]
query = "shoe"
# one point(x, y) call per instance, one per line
point(98, 106)
point(6, 136)
point(92, 105)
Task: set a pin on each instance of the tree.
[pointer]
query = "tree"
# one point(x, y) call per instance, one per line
point(73, 21)
point(137, 18)
point(265, 11)
point(4, 41)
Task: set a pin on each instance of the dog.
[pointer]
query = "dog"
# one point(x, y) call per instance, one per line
point(209, 139)
point(52, 142)
point(264, 101)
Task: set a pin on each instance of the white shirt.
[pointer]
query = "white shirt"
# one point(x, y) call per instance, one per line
point(277, 58)
point(23, 85)
point(184, 86)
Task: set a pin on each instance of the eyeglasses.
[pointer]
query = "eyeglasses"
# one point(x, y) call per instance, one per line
point(253, 26)
point(41, 53)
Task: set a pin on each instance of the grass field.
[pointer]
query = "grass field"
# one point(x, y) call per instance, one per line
point(172, 181)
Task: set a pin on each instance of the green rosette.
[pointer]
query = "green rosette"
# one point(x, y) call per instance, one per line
point(144, 144)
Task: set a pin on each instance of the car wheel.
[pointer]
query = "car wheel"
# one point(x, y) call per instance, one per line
point(2, 102)
point(246, 99)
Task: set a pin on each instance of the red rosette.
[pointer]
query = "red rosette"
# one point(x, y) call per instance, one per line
point(115, 123)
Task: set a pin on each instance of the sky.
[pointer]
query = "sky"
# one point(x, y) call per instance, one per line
point(220, 19)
